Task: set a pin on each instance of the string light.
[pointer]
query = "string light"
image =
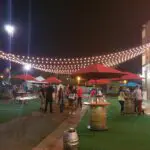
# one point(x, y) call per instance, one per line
point(69, 65)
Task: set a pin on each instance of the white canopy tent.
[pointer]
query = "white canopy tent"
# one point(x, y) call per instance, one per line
point(40, 78)
point(60, 85)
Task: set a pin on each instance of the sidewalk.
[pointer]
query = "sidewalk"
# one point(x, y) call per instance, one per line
point(55, 140)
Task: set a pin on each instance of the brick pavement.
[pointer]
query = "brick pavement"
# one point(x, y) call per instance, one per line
point(23, 133)
point(54, 141)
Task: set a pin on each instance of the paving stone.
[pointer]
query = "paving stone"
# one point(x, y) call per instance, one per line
point(55, 140)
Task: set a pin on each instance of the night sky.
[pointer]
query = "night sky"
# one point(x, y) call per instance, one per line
point(70, 28)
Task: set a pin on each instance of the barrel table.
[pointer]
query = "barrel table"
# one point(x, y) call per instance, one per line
point(98, 117)
point(129, 106)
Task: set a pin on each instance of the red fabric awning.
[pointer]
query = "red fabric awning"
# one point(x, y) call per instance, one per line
point(98, 71)
point(128, 76)
point(92, 81)
point(52, 80)
point(103, 81)
point(25, 77)
point(100, 81)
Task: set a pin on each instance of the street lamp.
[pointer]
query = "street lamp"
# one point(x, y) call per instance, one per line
point(10, 29)
point(78, 79)
point(27, 67)
point(1, 76)
point(125, 81)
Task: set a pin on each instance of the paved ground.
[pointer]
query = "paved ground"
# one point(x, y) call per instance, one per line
point(54, 141)
point(10, 110)
point(25, 133)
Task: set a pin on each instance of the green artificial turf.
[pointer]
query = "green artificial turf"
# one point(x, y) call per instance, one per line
point(8, 111)
point(125, 132)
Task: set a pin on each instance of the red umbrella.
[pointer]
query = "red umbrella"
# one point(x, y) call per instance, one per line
point(98, 71)
point(25, 77)
point(128, 76)
point(53, 80)
point(100, 81)
point(103, 81)
point(92, 81)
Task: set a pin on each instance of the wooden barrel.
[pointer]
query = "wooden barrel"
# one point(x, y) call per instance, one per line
point(98, 118)
point(129, 106)
point(71, 140)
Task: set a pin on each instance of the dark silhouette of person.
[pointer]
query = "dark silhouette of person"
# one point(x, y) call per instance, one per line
point(61, 99)
point(49, 98)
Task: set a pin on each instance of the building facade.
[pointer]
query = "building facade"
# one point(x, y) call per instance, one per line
point(146, 60)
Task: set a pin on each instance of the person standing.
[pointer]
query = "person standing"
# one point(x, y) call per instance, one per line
point(79, 94)
point(55, 94)
point(93, 94)
point(99, 92)
point(121, 99)
point(138, 99)
point(61, 99)
point(14, 92)
point(72, 100)
point(42, 98)
point(75, 101)
point(49, 98)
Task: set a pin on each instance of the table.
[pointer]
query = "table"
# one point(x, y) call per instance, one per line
point(24, 99)
point(98, 117)
point(21, 93)
point(129, 106)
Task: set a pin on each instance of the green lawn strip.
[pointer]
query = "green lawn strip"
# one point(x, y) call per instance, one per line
point(125, 132)
point(10, 111)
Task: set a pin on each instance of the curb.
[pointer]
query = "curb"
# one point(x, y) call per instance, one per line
point(54, 140)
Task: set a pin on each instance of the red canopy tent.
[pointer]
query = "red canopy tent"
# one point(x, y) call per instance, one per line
point(100, 81)
point(98, 71)
point(92, 81)
point(128, 76)
point(103, 81)
point(52, 80)
point(25, 77)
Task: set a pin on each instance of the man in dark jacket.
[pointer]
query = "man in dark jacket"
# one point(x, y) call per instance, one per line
point(49, 98)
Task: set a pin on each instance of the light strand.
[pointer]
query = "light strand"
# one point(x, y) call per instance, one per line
point(69, 65)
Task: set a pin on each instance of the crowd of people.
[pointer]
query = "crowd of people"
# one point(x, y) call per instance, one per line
point(50, 95)
point(125, 95)
point(135, 95)
point(72, 96)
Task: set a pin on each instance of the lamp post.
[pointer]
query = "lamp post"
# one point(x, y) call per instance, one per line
point(125, 81)
point(26, 68)
point(78, 79)
point(10, 30)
